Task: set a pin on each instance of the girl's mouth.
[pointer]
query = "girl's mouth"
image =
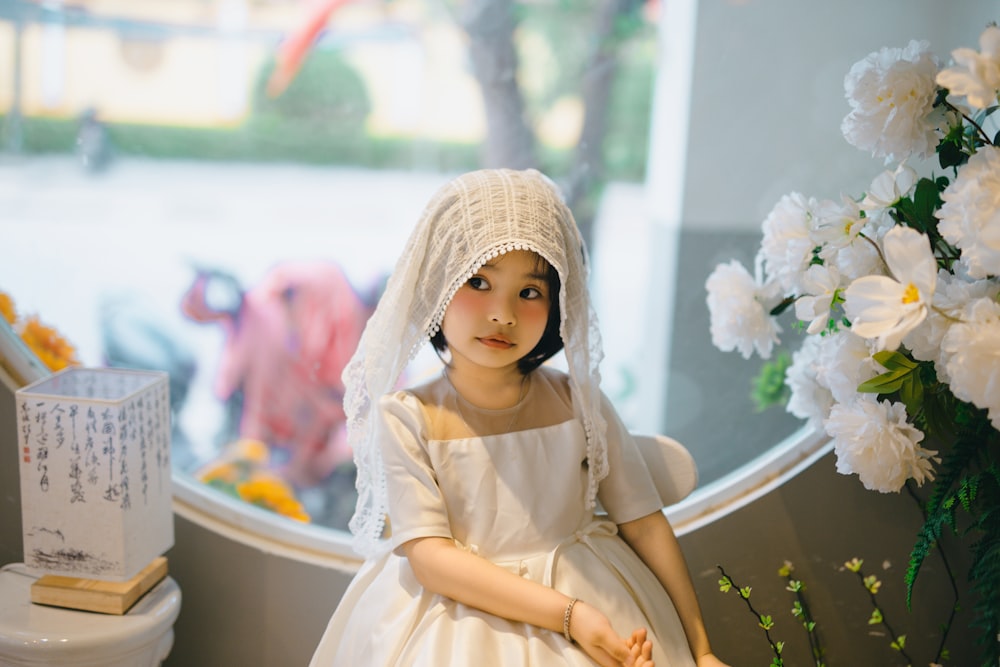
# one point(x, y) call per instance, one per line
point(497, 343)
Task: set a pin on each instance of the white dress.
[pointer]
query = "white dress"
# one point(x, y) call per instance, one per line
point(516, 499)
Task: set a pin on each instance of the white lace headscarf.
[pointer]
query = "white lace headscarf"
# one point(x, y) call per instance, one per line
point(470, 220)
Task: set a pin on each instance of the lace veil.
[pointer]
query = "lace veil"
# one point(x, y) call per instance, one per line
point(470, 220)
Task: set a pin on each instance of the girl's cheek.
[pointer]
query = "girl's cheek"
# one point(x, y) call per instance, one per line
point(461, 303)
point(536, 313)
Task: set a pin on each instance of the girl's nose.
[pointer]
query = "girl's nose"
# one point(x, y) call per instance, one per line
point(503, 313)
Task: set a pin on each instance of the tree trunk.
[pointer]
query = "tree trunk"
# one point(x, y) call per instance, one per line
point(586, 180)
point(490, 26)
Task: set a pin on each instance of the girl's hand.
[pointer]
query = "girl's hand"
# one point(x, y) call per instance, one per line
point(640, 648)
point(593, 632)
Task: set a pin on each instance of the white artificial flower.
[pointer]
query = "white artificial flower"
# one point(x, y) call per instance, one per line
point(843, 363)
point(973, 349)
point(837, 224)
point(787, 245)
point(844, 238)
point(976, 75)
point(861, 258)
point(739, 307)
point(819, 284)
point(970, 216)
point(887, 308)
point(887, 189)
point(873, 440)
point(809, 398)
point(952, 296)
point(891, 93)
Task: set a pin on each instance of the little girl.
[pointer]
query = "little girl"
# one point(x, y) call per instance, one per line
point(505, 513)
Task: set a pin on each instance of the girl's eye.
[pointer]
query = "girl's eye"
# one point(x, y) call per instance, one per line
point(478, 283)
point(531, 293)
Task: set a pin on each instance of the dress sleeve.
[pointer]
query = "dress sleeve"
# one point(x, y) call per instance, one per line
point(416, 506)
point(628, 492)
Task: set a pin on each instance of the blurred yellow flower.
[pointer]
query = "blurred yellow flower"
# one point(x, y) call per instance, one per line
point(7, 309)
point(272, 494)
point(46, 342)
point(241, 471)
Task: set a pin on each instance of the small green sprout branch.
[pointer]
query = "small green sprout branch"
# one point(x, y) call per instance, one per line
point(765, 622)
point(800, 610)
point(872, 585)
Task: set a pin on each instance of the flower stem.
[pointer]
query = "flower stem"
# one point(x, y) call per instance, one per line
point(760, 619)
point(892, 633)
point(807, 621)
point(878, 250)
point(979, 130)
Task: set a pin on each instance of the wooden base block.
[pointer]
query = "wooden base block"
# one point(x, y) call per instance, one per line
point(106, 597)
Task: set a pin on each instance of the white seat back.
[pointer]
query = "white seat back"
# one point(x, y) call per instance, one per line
point(671, 465)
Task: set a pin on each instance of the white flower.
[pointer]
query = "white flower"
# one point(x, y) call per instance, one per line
point(970, 216)
point(891, 93)
point(844, 362)
point(787, 244)
point(809, 398)
point(843, 236)
point(861, 257)
point(976, 76)
point(837, 224)
point(819, 284)
point(887, 189)
point(874, 440)
point(887, 308)
point(739, 306)
point(973, 349)
point(952, 296)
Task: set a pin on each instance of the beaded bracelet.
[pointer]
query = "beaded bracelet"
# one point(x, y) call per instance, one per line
point(568, 615)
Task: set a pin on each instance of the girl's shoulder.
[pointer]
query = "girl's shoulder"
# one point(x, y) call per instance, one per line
point(555, 380)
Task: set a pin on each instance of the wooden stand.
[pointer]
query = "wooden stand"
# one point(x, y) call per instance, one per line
point(106, 597)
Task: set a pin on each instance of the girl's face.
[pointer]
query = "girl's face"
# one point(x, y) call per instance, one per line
point(500, 313)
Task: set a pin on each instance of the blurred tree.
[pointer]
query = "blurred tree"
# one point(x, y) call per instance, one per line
point(492, 26)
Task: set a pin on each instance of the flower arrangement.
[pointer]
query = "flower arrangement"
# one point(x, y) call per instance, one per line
point(47, 343)
point(898, 292)
point(242, 472)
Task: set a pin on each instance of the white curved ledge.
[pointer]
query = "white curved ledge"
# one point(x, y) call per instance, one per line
point(750, 481)
point(331, 548)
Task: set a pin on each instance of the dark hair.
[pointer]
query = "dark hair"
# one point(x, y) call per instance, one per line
point(549, 344)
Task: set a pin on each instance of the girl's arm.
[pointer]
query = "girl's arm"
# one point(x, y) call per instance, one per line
point(653, 539)
point(443, 568)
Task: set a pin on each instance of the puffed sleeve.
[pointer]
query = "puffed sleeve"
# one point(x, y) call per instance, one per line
point(628, 492)
point(416, 507)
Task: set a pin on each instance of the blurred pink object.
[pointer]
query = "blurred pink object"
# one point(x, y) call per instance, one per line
point(285, 347)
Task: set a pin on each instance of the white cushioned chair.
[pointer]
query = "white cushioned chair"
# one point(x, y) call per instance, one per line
point(671, 465)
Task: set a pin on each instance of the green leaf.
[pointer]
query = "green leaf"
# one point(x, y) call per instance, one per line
point(876, 617)
point(911, 393)
point(900, 643)
point(950, 154)
point(893, 360)
point(766, 622)
point(745, 592)
point(887, 383)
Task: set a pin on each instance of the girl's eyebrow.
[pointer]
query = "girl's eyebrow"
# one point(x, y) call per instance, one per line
point(533, 275)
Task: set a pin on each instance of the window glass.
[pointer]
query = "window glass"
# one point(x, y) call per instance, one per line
point(219, 188)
